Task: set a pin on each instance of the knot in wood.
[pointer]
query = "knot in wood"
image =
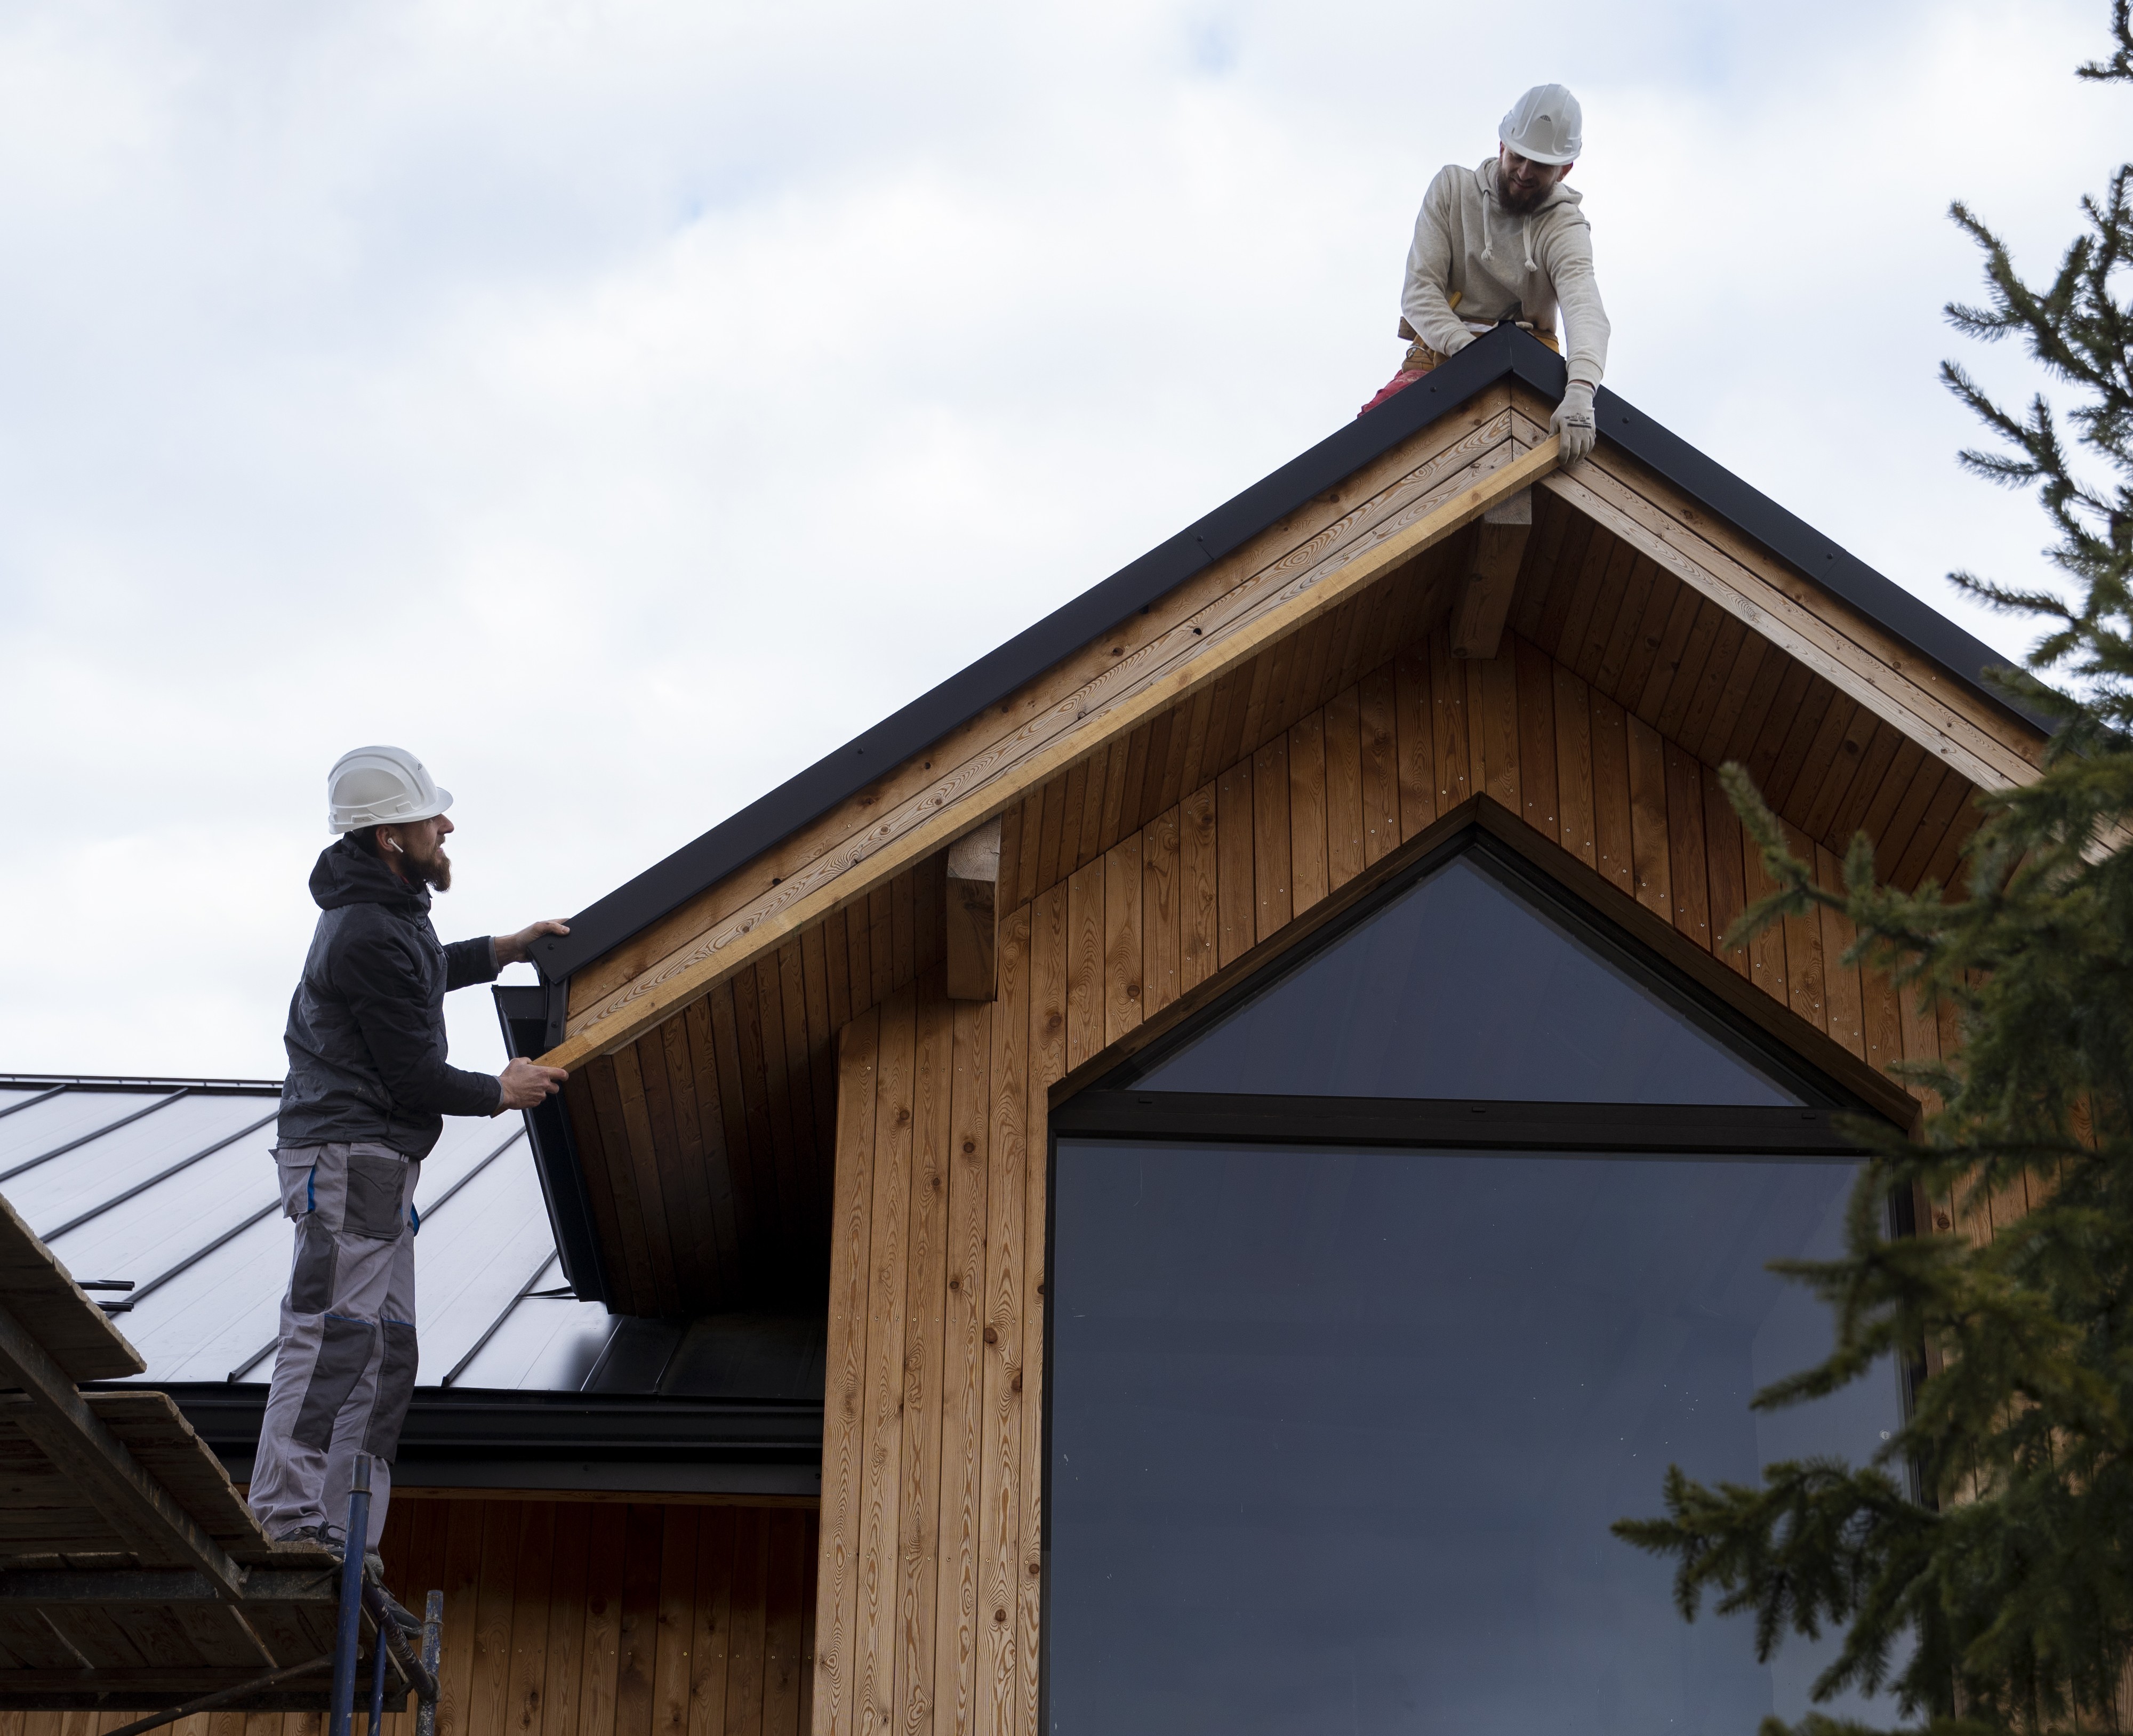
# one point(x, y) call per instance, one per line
point(999, 1615)
point(969, 1146)
point(902, 1117)
point(992, 1334)
point(1018, 1380)
point(955, 1283)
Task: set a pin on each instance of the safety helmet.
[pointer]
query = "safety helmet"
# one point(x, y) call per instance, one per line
point(1545, 125)
point(381, 786)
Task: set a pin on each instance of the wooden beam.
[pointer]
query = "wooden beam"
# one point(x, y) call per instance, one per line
point(1485, 599)
point(54, 1415)
point(921, 827)
point(971, 930)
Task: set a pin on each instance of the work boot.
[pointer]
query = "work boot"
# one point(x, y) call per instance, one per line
point(328, 1537)
point(373, 1570)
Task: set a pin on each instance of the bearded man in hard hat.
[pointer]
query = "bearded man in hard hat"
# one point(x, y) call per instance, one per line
point(368, 1091)
point(1506, 241)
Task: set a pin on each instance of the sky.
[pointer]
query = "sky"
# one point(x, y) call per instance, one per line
point(623, 404)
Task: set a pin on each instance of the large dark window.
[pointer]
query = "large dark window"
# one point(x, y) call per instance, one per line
point(1461, 987)
point(1339, 1417)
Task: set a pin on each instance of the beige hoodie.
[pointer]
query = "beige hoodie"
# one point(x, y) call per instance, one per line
point(1503, 268)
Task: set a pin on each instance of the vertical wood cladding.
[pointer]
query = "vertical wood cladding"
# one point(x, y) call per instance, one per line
point(929, 1580)
point(583, 1619)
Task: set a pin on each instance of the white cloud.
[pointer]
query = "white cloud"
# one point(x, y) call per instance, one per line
point(623, 404)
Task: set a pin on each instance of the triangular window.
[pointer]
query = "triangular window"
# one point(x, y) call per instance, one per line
point(1462, 986)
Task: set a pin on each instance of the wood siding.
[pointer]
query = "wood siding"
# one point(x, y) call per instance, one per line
point(583, 1619)
point(929, 1586)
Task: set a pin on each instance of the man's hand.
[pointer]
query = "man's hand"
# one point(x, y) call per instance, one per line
point(515, 948)
point(525, 1086)
point(1573, 424)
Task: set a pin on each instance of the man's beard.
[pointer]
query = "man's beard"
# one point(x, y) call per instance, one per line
point(435, 874)
point(1519, 204)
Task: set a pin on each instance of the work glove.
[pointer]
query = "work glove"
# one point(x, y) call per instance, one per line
point(1573, 423)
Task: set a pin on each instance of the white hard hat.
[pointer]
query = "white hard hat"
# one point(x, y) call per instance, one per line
point(1545, 126)
point(381, 786)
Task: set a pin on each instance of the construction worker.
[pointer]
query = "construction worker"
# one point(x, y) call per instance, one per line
point(368, 1090)
point(1505, 240)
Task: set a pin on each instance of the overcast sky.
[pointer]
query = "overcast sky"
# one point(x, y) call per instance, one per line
point(623, 404)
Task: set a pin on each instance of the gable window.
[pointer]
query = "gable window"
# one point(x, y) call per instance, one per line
point(1379, 1291)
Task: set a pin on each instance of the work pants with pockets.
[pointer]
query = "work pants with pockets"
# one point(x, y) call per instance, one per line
point(344, 1369)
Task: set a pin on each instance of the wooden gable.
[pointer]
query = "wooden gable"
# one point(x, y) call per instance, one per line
point(1219, 763)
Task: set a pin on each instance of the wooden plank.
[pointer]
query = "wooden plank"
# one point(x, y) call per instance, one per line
point(1448, 725)
point(1192, 751)
point(1767, 958)
point(1802, 702)
point(1692, 623)
point(765, 1198)
point(489, 1681)
point(1573, 762)
point(639, 1171)
point(1941, 813)
point(954, 1674)
point(1534, 676)
point(1590, 652)
point(1134, 787)
point(1497, 715)
point(1054, 817)
point(1307, 814)
point(740, 1185)
point(1123, 992)
point(1648, 842)
point(999, 1544)
point(1803, 961)
point(606, 1155)
point(881, 936)
point(925, 1317)
point(844, 1431)
point(1270, 839)
point(1876, 756)
point(1163, 889)
point(1646, 637)
point(526, 1670)
point(1892, 839)
point(1199, 888)
point(1236, 931)
point(462, 1590)
point(1116, 770)
point(1583, 597)
point(562, 1657)
point(874, 1646)
point(1414, 741)
point(744, 1650)
point(1778, 687)
point(1074, 804)
point(783, 1664)
point(710, 1623)
point(1688, 876)
point(1079, 916)
point(1805, 783)
point(1159, 736)
point(1378, 722)
point(1847, 1002)
point(1089, 842)
point(1023, 1361)
point(1611, 824)
point(807, 1622)
point(1484, 602)
point(1345, 858)
point(1723, 843)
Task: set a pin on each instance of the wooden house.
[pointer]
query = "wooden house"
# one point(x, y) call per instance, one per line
point(1242, 1086)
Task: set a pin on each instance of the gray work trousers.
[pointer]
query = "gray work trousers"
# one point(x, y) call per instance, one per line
point(344, 1369)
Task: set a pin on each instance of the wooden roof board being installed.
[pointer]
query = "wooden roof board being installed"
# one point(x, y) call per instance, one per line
point(703, 1103)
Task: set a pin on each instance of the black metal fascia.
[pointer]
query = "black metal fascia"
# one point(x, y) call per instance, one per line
point(1505, 353)
point(502, 1425)
point(524, 1010)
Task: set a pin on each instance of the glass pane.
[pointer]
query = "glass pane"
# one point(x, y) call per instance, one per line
point(1336, 1435)
point(1460, 988)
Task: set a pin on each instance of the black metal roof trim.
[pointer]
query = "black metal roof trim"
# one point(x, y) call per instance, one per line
point(506, 1425)
point(127, 1082)
point(1506, 352)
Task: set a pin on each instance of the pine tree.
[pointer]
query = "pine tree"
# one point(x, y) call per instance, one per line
point(2004, 1600)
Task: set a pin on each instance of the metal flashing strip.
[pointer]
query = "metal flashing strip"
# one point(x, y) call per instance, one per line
point(126, 1082)
point(481, 1343)
point(31, 1102)
point(1503, 353)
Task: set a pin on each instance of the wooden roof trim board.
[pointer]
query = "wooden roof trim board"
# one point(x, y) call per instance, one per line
point(1181, 662)
point(1328, 525)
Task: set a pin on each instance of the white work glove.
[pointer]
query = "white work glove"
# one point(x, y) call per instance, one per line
point(1573, 423)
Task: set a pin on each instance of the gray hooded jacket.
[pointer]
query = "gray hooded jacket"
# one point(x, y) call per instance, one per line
point(366, 1036)
point(1503, 267)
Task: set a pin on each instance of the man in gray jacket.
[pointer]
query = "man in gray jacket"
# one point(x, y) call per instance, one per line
point(1506, 241)
point(368, 1090)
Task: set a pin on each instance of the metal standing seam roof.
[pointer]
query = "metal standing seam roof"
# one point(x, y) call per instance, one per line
point(168, 1184)
point(1505, 354)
